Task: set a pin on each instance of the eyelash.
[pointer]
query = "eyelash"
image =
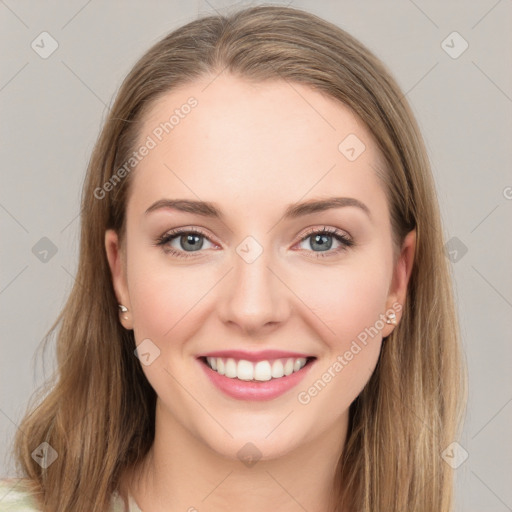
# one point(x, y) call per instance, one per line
point(346, 242)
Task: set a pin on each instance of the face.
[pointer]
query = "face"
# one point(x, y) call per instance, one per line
point(257, 277)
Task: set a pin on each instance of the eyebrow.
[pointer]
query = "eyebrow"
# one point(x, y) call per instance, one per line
point(293, 211)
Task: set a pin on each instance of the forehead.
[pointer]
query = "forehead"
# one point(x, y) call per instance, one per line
point(264, 143)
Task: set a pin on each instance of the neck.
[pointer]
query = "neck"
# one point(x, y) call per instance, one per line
point(183, 473)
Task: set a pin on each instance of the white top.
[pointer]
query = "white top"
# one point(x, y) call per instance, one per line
point(15, 498)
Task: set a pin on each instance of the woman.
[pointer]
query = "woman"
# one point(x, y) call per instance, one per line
point(307, 356)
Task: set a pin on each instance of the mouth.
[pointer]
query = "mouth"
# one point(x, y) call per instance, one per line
point(265, 379)
point(256, 371)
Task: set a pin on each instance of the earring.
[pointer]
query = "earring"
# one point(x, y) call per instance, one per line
point(123, 309)
point(391, 318)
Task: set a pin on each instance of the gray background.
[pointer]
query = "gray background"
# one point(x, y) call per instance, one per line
point(52, 109)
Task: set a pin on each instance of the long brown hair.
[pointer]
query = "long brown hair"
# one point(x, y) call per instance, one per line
point(97, 413)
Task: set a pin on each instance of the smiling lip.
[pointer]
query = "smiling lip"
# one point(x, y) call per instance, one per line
point(254, 390)
point(254, 356)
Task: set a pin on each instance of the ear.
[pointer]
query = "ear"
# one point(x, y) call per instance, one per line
point(401, 274)
point(117, 261)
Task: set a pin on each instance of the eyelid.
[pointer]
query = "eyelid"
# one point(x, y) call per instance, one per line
point(171, 234)
point(308, 231)
point(188, 229)
point(331, 230)
point(345, 240)
point(343, 237)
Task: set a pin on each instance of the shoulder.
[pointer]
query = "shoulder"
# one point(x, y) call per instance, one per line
point(15, 496)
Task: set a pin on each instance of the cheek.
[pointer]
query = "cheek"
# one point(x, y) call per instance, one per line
point(347, 300)
point(350, 304)
point(161, 295)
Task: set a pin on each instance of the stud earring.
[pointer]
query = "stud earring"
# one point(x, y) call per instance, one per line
point(123, 309)
point(391, 318)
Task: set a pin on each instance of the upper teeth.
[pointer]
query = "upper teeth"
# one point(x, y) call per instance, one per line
point(262, 370)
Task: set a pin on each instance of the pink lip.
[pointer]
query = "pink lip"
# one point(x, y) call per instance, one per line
point(254, 356)
point(252, 390)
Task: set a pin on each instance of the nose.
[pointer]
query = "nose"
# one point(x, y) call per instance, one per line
point(254, 298)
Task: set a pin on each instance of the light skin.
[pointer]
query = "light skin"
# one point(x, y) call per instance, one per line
point(252, 150)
